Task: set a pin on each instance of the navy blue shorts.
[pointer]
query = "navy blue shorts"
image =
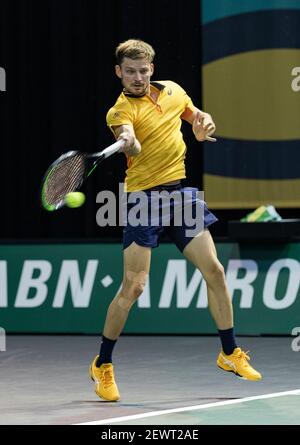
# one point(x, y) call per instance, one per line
point(181, 214)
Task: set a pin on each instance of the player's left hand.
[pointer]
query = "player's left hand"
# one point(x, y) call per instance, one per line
point(204, 127)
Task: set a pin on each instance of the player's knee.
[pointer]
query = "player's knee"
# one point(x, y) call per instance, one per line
point(129, 294)
point(134, 283)
point(137, 290)
point(215, 273)
point(133, 288)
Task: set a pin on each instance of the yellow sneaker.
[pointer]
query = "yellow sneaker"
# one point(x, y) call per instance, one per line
point(105, 385)
point(237, 362)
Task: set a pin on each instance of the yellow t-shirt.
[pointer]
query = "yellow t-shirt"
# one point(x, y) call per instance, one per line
point(157, 128)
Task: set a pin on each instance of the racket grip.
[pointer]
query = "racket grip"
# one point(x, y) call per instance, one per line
point(113, 148)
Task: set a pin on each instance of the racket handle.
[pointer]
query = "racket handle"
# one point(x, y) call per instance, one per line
point(112, 148)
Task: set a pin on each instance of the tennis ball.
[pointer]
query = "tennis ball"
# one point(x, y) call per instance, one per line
point(75, 199)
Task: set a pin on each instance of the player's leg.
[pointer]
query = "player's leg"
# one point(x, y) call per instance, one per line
point(136, 269)
point(201, 252)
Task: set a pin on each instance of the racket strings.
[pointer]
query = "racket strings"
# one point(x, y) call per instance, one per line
point(64, 178)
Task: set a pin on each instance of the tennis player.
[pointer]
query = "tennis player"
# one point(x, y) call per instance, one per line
point(148, 116)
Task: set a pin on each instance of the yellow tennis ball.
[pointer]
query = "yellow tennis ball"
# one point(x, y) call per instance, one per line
point(75, 199)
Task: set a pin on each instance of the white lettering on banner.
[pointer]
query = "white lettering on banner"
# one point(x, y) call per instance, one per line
point(144, 300)
point(27, 282)
point(188, 290)
point(80, 293)
point(176, 275)
point(269, 291)
point(202, 296)
point(243, 284)
point(3, 284)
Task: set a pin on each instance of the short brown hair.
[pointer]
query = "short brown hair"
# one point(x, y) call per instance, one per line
point(134, 49)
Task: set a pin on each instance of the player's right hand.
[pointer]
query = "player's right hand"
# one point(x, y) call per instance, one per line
point(132, 146)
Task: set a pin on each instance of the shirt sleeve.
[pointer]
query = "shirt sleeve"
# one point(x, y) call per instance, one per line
point(119, 114)
point(188, 106)
point(187, 103)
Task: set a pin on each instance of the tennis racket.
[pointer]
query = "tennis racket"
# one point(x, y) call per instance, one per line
point(68, 173)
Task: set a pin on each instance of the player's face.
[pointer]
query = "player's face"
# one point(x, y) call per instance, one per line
point(135, 75)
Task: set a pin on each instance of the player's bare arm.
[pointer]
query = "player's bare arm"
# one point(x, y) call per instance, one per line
point(132, 146)
point(202, 123)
